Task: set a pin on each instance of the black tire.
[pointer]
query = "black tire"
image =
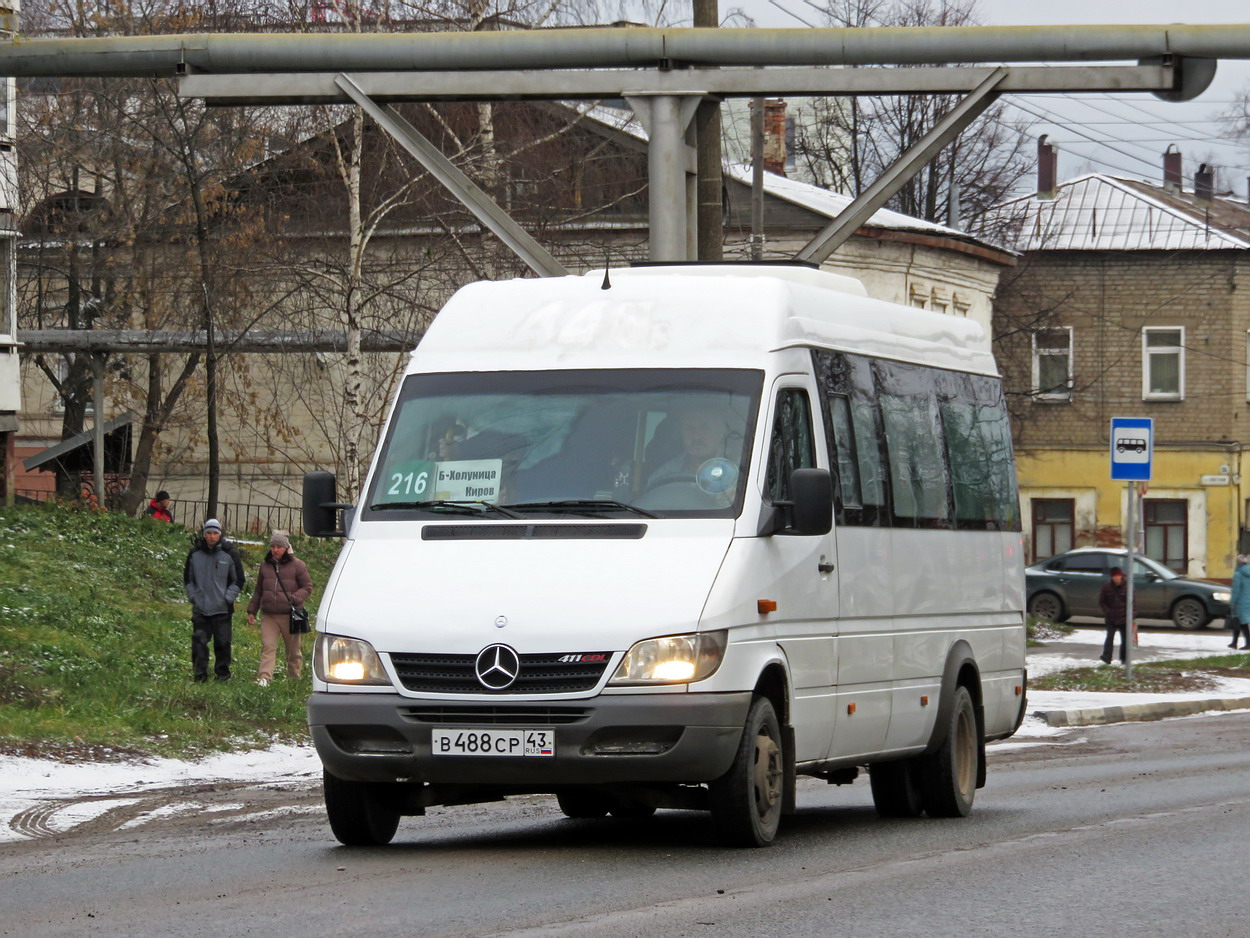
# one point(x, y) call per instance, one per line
point(632, 810)
point(1046, 606)
point(747, 800)
point(949, 776)
point(1189, 613)
point(362, 814)
point(583, 804)
point(896, 790)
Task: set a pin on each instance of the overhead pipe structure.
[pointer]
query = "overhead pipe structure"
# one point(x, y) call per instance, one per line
point(658, 71)
point(629, 47)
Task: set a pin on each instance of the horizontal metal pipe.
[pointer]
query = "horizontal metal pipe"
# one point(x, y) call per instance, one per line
point(565, 84)
point(144, 341)
point(610, 48)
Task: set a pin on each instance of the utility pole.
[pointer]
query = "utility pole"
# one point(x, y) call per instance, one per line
point(709, 218)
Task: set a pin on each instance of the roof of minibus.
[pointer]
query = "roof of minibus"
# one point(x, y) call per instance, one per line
point(689, 316)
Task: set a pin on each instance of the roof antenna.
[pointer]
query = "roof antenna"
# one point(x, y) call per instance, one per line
point(607, 284)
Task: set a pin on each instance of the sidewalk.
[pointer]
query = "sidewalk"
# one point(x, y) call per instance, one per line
point(1082, 648)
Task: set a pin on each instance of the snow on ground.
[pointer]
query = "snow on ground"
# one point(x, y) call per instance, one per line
point(27, 782)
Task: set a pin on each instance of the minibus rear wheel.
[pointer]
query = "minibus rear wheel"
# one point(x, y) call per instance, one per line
point(746, 801)
point(896, 790)
point(362, 814)
point(949, 777)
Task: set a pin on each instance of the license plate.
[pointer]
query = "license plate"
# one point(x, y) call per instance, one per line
point(446, 741)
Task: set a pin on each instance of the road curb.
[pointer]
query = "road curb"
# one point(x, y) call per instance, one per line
point(1161, 710)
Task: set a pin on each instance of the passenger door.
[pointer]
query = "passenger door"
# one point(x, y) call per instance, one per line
point(803, 572)
point(1082, 578)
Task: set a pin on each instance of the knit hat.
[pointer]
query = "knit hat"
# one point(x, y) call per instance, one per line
point(162, 495)
point(280, 539)
point(212, 524)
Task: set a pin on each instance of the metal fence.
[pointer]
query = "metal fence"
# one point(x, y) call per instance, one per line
point(237, 518)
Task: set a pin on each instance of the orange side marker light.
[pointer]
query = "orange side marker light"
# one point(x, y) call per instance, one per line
point(765, 606)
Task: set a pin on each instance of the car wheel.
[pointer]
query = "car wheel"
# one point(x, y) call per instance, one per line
point(896, 790)
point(948, 781)
point(362, 814)
point(1189, 613)
point(583, 804)
point(746, 801)
point(1046, 606)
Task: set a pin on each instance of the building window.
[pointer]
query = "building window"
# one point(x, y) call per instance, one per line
point(1054, 525)
point(1163, 364)
point(1052, 364)
point(1167, 536)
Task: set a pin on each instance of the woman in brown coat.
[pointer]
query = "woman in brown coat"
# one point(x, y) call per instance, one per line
point(282, 582)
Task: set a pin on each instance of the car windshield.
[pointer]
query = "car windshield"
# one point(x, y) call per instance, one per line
point(1143, 566)
point(623, 443)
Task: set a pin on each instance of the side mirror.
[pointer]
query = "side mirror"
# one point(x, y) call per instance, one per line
point(321, 506)
point(811, 493)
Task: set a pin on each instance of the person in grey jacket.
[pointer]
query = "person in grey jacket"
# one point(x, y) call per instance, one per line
point(213, 578)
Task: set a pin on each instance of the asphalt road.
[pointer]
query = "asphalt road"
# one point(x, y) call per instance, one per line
point(1134, 829)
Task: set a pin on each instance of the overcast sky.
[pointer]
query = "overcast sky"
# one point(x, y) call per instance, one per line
point(1122, 135)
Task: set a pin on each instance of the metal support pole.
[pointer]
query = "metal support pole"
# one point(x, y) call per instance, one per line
point(757, 179)
point(1129, 618)
point(97, 436)
point(906, 166)
point(666, 117)
point(484, 208)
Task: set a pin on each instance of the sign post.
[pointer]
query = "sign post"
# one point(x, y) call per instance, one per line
point(1132, 453)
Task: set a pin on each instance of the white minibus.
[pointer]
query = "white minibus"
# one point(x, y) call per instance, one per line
point(669, 537)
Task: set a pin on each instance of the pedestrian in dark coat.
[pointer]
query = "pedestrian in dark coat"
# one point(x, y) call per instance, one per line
point(213, 578)
point(1113, 600)
point(281, 583)
point(1239, 603)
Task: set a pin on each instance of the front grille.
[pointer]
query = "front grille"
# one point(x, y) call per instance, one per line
point(495, 716)
point(539, 674)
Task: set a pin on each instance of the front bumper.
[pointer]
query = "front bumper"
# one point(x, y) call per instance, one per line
point(687, 738)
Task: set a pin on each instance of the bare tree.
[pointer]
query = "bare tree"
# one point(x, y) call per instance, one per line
point(853, 140)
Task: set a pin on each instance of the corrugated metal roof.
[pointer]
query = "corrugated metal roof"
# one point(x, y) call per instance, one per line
point(1098, 212)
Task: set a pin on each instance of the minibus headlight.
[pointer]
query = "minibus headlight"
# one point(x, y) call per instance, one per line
point(340, 660)
point(674, 659)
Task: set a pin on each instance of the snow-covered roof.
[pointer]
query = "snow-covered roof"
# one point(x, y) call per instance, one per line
point(830, 204)
point(1098, 212)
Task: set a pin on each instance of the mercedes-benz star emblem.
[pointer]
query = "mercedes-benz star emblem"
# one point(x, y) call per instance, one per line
point(497, 666)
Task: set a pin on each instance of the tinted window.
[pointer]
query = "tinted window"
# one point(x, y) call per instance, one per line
point(790, 446)
point(919, 484)
point(1085, 563)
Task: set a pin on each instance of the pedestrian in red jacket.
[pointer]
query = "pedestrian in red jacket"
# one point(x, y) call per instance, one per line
point(158, 509)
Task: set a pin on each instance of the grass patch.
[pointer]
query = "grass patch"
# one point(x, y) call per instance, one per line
point(95, 641)
point(1168, 677)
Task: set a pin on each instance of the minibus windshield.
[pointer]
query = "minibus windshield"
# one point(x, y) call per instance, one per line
point(624, 443)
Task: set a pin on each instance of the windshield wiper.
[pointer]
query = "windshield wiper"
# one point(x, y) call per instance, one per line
point(452, 505)
point(583, 505)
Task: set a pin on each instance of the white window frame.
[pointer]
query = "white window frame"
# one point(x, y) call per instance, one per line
point(1061, 396)
point(1148, 351)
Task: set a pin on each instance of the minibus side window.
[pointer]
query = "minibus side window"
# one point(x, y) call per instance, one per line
point(978, 444)
point(919, 483)
point(849, 401)
point(790, 446)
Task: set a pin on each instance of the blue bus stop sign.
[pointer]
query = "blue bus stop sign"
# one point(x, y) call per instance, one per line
point(1132, 448)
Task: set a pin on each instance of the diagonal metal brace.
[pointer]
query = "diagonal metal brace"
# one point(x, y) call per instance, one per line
point(484, 208)
point(888, 183)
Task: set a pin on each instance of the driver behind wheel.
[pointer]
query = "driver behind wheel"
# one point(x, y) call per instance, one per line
point(704, 432)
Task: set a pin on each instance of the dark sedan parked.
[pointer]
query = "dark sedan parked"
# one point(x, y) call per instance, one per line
point(1068, 585)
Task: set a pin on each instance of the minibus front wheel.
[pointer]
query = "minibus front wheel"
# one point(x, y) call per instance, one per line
point(362, 814)
point(747, 800)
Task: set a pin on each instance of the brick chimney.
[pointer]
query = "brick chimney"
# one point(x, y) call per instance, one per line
point(775, 136)
point(1047, 168)
point(1204, 185)
point(1172, 170)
